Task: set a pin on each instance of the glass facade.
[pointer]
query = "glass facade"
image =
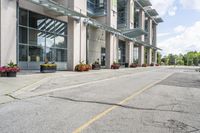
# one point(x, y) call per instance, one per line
point(122, 52)
point(40, 38)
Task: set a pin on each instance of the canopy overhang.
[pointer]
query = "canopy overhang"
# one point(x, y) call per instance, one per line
point(133, 33)
point(158, 20)
point(152, 12)
point(54, 6)
point(144, 3)
point(146, 45)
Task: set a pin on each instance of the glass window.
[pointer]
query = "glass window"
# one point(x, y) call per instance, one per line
point(36, 53)
point(37, 21)
point(23, 35)
point(50, 38)
point(50, 24)
point(36, 37)
point(60, 28)
point(50, 54)
point(61, 55)
point(23, 15)
point(60, 42)
point(23, 52)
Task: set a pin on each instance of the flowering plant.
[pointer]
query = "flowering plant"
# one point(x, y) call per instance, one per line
point(13, 69)
point(9, 69)
point(3, 69)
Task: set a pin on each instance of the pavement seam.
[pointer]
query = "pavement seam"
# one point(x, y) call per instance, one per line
point(77, 85)
point(102, 114)
point(36, 84)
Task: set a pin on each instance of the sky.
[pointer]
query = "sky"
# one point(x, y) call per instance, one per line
point(180, 31)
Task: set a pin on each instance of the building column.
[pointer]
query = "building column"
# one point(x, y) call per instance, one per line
point(150, 32)
point(155, 56)
point(111, 39)
point(77, 36)
point(8, 30)
point(111, 49)
point(129, 52)
point(154, 35)
point(149, 56)
point(142, 26)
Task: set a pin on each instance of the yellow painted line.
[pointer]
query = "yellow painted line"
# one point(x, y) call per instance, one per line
point(99, 116)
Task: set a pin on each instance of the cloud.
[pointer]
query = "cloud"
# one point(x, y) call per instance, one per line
point(164, 7)
point(172, 11)
point(191, 4)
point(187, 40)
point(179, 29)
point(163, 34)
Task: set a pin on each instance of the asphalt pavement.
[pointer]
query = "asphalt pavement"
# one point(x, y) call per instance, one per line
point(144, 100)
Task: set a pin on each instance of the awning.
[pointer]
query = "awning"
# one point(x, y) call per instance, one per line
point(158, 20)
point(52, 5)
point(146, 44)
point(133, 33)
point(94, 23)
point(152, 12)
point(144, 3)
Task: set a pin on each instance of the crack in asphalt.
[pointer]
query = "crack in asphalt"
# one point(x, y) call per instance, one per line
point(173, 125)
point(119, 105)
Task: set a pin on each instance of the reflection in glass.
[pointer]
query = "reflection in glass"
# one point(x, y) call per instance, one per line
point(23, 35)
point(36, 53)
point(60, 28)
point(50, 23)
point(37, 21)
point(23, 52)
point(50, 40)
point(60, 42)
point(61, 55)
point(50, 54)
point(36, 37)
point(23, 14)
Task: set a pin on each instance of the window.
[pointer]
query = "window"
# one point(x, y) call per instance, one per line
point(41, 37)
point(23, 35)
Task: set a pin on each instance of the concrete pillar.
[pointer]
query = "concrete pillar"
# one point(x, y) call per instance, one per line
point(150, 32)
point(142, 26)
point(154, 34)
point(111, 39)
point(8, 22)
point(155, 56)
point(129, 52)
point(111, 49)
point(130, 12)
point(149, 56)
point(76, 36)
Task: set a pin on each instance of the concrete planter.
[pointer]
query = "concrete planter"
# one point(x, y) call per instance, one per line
point(11, 74)
point(48, 69)
point(3, 74)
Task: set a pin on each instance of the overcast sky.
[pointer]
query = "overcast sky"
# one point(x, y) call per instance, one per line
point(180, 31)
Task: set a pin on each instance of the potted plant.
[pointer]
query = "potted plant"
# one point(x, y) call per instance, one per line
point(82, 67)
point(12, 69)
point(115, 65)
point(133, 65)
point(144, 65)
point(48, 68)
point(96, 65)
point(157, 65)
point(3, 71)
point(152, 64)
